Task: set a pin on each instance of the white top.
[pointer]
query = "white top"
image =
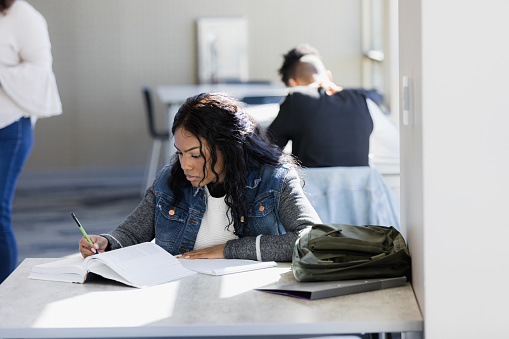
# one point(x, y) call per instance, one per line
point(27, 82)
point(213, 229)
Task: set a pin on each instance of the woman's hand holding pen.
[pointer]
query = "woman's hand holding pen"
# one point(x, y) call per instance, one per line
point(99, 245)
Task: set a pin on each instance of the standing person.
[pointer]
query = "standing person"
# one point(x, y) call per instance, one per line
point(229, 193)
point(28, 91)
point(329, 126)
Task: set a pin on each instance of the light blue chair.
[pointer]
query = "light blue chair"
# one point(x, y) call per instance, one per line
point(351, 195)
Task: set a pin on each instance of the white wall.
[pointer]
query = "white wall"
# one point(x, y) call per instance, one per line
point(105, 50)
point(455, 165)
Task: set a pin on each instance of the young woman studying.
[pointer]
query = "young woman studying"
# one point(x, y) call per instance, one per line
point(229, 193)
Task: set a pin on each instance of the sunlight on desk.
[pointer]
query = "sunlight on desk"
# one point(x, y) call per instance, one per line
point(195, 306)
point(94, 307)
point(236, 284)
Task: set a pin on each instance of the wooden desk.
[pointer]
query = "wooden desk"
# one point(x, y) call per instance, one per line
point(196, 306)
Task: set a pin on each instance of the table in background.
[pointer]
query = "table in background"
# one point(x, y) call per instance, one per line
point(175, 95)
point(195, 306)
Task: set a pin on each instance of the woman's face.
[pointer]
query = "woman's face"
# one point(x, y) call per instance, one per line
point(191, 160)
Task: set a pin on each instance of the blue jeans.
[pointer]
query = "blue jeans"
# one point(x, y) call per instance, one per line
point(16, 141)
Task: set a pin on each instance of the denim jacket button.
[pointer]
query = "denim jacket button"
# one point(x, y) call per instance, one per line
point(261, 208)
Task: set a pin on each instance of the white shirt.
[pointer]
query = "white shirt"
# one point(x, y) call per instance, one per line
point(213, 229)
point(27, 83)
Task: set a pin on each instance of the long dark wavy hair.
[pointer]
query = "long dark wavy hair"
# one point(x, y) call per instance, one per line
point(220, 120)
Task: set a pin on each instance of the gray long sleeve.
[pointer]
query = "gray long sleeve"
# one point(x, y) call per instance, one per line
point(295, 213)
point(138, 226)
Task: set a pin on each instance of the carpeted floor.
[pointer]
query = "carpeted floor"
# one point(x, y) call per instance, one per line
point(44, 201)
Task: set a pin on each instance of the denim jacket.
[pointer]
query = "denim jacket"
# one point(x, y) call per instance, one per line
point(357, 195)
point(176, 226)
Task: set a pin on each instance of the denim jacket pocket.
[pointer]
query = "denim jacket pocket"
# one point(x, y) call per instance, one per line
point(169, 221)
point(262, 215)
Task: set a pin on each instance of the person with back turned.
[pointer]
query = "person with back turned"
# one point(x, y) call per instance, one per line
point(328, 125)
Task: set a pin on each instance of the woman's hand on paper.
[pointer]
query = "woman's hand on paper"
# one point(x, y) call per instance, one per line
point(214, 252)
point(86, 248)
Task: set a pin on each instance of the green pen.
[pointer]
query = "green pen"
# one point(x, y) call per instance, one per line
point(83, 230)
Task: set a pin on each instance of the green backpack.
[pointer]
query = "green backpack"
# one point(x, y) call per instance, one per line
point(344, 252)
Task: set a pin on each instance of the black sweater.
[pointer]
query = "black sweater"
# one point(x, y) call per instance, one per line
point(326, 130)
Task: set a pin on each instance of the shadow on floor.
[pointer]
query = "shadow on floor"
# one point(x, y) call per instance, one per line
point(44, 201)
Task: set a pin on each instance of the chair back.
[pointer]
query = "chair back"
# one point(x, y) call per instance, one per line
point(149, 110)
point(351, 195)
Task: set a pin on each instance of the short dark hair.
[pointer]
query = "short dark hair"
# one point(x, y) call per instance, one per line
point(5, 4)
point(288, 69)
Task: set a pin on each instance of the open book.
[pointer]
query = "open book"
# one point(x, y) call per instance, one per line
point(140, 265)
